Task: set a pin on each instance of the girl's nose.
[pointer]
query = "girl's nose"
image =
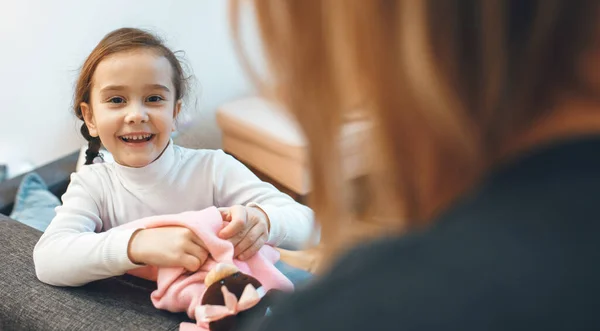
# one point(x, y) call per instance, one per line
point(136, 114)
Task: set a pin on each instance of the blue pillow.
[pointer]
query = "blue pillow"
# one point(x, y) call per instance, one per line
point(34, 204)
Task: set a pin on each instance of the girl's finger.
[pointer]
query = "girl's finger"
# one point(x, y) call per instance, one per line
point(253, 249)
point(225, 214)
point(196, 240)
point(190, 263)
point(249, 239)
point(198, 252)
point(237, 223)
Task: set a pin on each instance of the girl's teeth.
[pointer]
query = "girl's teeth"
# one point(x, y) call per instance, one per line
point(137, 137)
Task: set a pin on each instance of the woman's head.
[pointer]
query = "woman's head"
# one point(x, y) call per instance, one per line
point(446, 83)
point(129, 94)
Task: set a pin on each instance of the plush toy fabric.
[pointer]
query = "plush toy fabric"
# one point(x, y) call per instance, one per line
point(232, 296)
point(178, 290)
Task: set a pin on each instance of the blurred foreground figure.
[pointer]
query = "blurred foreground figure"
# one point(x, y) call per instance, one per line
point(485, 159)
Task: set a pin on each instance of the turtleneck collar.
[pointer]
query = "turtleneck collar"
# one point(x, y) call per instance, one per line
point(151, 174)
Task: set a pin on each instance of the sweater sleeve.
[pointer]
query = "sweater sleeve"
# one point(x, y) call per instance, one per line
point(292, 224)
point(73, 251)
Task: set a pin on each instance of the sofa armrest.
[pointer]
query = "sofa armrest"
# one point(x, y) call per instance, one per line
point(56, 175)
point(119, 303)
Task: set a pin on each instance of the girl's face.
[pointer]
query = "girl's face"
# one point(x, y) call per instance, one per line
point(132, 106)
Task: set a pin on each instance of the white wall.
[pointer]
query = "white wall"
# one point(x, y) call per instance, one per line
point(43, 43)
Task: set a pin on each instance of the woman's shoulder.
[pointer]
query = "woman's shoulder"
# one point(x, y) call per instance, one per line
point(350, 296)
point(470, 264)
point(381, 285)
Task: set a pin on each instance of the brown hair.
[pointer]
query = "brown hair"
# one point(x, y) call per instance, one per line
point(445, 83)
point(121, 40)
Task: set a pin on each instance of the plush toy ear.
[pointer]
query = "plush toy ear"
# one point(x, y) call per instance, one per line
point(220, 271)
point(250, 297)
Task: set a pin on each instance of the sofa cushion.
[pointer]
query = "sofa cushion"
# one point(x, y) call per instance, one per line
point(34, 203)
point(55, 174)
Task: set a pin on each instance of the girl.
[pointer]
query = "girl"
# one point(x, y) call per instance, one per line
point(129, 94)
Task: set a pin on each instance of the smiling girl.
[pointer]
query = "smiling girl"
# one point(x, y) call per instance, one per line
point(129, 95)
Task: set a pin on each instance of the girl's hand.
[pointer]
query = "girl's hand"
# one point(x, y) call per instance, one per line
point(248, 229)
point(173, 246)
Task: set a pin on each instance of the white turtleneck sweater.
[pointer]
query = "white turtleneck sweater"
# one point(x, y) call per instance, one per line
point(79, 246)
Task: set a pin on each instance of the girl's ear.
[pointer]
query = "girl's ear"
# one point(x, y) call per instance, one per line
point(176, 111)
point(88, 119)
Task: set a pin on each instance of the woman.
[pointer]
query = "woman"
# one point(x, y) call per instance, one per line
point(487, 117)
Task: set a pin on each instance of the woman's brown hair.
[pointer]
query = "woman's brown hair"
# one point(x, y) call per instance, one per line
point(121, 40)
point(445, 83)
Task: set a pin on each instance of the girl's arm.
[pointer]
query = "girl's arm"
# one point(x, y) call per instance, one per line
point(72, 251)
point(292, 224)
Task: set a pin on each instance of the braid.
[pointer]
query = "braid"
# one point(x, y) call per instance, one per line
point(93, 150)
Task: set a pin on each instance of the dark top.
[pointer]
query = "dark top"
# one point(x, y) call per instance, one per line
point(522, 252)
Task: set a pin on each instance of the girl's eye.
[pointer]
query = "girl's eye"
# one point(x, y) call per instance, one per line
point(116, 100)
point(155, 98)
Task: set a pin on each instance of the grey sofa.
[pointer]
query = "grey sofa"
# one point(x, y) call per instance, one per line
point(119, 303)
